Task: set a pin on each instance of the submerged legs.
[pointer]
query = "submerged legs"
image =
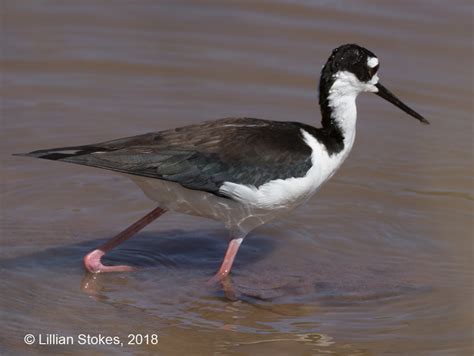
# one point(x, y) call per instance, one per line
point(229, 257)
point(92, 261)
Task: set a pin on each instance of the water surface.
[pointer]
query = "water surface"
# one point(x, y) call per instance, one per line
point(380, 261)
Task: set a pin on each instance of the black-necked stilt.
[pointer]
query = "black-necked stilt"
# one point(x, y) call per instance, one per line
point(241, 171)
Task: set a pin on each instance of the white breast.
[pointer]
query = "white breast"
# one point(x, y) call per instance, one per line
point(289, 193)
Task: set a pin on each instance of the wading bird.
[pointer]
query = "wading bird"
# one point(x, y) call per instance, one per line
point(243, 172)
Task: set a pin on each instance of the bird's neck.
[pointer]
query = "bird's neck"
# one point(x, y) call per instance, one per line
point(338, 109)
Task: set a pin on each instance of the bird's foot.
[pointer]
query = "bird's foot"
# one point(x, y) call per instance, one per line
point(92, 263)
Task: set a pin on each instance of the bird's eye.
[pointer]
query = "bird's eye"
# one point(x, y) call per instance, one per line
point(374, 70)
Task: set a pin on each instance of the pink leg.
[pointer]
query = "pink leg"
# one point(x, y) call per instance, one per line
point(92, 261)
point(229, 257)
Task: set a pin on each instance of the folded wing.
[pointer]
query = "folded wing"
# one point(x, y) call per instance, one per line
point(202, 157)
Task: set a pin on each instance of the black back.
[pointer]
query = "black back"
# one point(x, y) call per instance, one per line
point(204, 156)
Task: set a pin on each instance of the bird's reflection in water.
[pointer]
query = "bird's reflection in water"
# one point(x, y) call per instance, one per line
point(229, 290)
point(93, 284)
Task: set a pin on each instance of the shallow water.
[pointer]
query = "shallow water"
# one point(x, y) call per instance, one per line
point(380, 261)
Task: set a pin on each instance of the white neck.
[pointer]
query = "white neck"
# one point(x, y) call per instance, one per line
point(342, 101)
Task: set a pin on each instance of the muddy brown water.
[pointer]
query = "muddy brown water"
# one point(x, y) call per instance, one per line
point(379, 261)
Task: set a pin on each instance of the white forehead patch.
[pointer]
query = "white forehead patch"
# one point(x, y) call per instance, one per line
point(372, 62)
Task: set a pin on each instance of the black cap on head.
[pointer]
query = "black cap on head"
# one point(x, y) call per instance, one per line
point(351, 58)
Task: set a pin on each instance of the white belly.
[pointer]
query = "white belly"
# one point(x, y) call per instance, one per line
point(239, 218)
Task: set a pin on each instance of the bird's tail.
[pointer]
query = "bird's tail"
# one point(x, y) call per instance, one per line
point(61, 153)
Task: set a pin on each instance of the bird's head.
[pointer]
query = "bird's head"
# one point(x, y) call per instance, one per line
point(351, 70)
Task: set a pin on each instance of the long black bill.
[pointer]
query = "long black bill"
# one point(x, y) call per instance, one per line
point(388, 95)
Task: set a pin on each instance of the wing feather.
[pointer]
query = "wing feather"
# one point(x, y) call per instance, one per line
point(238, 150)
